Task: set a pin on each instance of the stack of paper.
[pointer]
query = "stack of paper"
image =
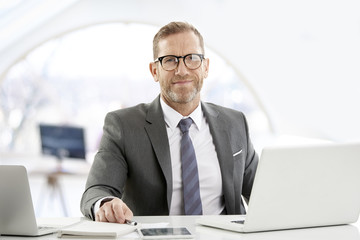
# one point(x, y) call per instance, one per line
point(91, 229)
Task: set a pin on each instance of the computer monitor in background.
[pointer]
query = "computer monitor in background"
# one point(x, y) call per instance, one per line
point(63, 141)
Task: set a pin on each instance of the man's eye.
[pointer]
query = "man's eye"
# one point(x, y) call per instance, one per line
point(193, 58)
point(169, 60)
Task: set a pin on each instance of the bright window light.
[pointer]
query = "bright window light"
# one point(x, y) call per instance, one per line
point(80, 76)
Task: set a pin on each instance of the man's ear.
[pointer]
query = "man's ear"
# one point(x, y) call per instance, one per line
point(153, 70)
point(206, 65)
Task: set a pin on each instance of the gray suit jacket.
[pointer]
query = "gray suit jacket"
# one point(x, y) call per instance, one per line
point(133, 161)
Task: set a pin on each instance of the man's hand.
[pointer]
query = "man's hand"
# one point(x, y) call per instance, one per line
point(114, 211)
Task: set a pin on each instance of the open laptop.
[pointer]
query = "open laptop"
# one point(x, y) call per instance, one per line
point(17, 215)
point(299, 187)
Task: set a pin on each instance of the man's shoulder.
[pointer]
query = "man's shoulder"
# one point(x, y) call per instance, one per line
point(129, 117)
point(208, 106)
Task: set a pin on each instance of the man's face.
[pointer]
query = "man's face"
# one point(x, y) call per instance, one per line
point(181, 85)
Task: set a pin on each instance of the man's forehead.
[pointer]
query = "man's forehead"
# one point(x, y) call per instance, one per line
point(186, 42)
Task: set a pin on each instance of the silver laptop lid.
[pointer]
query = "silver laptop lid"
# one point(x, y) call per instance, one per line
point(16, 207)
point(305, 186)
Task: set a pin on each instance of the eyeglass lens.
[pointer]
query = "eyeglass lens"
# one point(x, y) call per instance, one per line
point(192, 61)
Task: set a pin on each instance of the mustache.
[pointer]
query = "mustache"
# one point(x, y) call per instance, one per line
point(182, 78)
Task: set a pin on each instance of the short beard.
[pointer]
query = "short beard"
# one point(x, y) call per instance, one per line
point(182, 99)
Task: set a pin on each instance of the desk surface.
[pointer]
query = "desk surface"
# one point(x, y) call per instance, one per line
point(344, 232)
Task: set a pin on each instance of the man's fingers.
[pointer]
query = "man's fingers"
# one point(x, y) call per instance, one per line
point(118, 211)
point(100, 216)
point(127, 212)
point(115, 211)
point(105, 213)
point(121, 211)
point(108, 212)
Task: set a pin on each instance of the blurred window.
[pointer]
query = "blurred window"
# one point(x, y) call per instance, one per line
point(78, 77)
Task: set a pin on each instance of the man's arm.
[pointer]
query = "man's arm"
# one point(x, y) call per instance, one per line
point(108, 172)
point(251, 164)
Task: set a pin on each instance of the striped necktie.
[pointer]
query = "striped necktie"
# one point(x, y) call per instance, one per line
point(190, 176)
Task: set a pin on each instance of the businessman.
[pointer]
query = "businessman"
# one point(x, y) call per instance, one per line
point(176, 155)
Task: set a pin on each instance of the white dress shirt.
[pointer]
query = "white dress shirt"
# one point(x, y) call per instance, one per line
point(208, 165)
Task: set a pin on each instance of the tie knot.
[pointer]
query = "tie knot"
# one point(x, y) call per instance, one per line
point(185, 124)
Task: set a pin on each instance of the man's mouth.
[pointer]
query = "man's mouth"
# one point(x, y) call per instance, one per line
point(182, 82)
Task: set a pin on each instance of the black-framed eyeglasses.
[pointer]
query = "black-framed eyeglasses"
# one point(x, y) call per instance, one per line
point(170, 62)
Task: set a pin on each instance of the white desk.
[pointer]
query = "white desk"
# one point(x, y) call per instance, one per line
point(344, 232)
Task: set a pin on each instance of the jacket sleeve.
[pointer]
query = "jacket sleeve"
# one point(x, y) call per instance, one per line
point(108, 173)
point(251, 164)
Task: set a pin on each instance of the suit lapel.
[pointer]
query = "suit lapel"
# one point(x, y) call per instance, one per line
point(219, 132)
point(156, 130)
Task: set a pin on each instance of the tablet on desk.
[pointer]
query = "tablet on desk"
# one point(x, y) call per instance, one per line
point(165, 233)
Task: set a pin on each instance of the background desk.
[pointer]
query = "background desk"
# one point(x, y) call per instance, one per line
point(344, 232)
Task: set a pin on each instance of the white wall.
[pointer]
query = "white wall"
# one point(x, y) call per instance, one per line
point(302, 57)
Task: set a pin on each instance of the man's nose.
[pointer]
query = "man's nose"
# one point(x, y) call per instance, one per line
point(181, 68)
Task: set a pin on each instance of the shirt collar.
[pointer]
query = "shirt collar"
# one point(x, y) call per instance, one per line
point(172, 117)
